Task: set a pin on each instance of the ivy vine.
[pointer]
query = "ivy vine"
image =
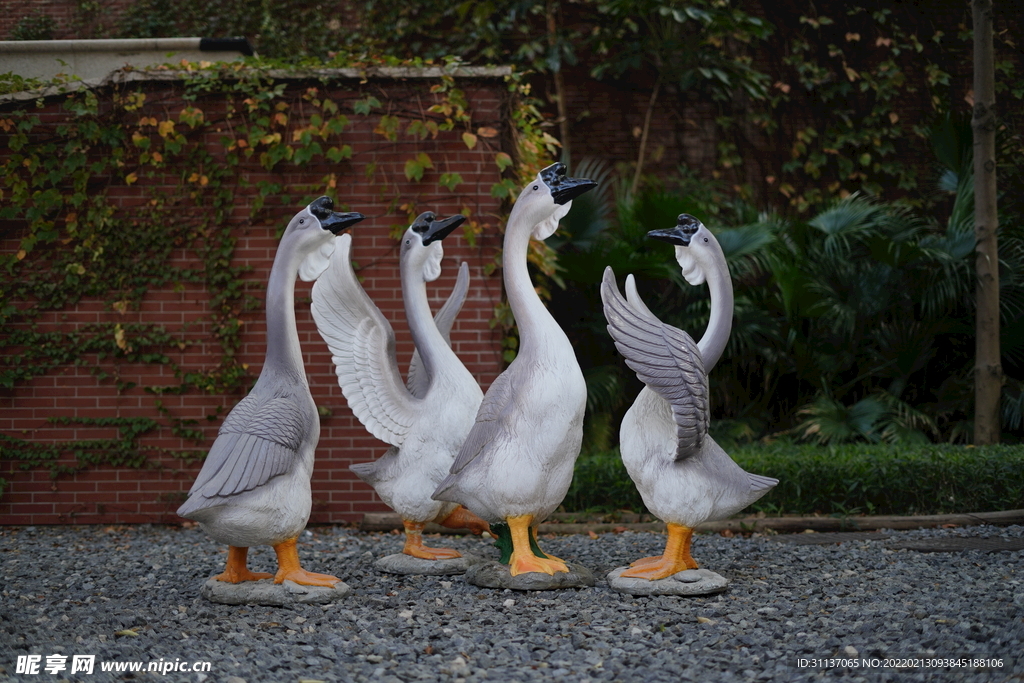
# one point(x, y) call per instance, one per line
point(59, 186)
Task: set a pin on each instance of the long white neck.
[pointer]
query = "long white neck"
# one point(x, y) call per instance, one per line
point(283, 350)
point(716, 336)
point(429, 342)
point(536, 325)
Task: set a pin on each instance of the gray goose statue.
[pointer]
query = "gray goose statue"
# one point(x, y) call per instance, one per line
point(517, 462)
point(683, 476)
point(253, 488)
point(426, 421)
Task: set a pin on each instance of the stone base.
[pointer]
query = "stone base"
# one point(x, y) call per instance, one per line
point(400, 563)
point(493, 574)
point(266, 592)
point(688, 582)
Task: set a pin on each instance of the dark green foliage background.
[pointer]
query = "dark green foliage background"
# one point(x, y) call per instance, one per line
point(846, 479)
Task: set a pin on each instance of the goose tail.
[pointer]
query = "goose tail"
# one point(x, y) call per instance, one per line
point(761, 485)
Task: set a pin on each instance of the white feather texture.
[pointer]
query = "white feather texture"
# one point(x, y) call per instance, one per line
point(316, 263)
point(426, 428)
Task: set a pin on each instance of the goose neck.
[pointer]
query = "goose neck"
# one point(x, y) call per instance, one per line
point(432, 347)
point(716, 336)
point(535, 323)
point(283, 348)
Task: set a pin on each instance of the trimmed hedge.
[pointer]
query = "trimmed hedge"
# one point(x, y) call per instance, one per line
point(849, 479)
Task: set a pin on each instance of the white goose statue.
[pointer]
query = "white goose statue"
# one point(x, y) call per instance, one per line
point(517, 462)
point(683, 476)
point(425, 423)
point(253, 488)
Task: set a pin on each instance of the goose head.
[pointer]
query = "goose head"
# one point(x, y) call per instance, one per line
point(697, 250)
point(547, 199)
point(421, 250)
point(311, 233)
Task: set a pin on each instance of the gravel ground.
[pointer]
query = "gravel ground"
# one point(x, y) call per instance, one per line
point(131, 593)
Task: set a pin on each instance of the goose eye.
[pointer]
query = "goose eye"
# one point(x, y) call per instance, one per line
point(407, 241)
point(536, 187)
point(301, 221)
point(705, 239)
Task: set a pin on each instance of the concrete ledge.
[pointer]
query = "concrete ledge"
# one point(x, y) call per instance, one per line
point(388, 521)
point(157, 73)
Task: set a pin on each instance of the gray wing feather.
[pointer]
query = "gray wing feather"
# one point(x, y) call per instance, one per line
point(492, 419)
point(417, 380)
point(258, 441)
point(664, 358)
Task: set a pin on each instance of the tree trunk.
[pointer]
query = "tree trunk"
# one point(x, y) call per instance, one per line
point(563, 117)
point(643, 137)
point(988, 373)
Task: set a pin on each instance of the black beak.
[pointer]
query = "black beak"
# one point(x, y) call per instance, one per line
point(323, 209)
point(681, 234)
point(438, 230)
point(564, 189)
point(337, 222)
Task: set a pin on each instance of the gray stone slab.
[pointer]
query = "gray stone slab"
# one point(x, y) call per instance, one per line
point(400, 563)
point(491, 574)
point(266, 592)
point(828, 538)
point(955, 545)
point(687, 582)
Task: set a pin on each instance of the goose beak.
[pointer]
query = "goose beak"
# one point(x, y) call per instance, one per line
point(563, 188)
point(336, 222)
point(323, 209)
point(681, 234)
point(438, 230)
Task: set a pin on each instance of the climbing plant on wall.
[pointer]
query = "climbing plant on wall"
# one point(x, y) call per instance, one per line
point(186, 150)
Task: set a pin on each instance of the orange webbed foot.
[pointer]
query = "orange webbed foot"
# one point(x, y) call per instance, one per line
point(236, 570)
point(461, 518)
point(304, 578)
point(523, 563)
point(289, 569)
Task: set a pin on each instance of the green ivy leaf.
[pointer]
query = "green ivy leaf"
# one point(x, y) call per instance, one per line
point(450, 180)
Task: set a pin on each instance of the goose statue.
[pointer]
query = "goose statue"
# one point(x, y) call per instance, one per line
point(517, 462)
point(426, 422)
point(253, 488)
point(683, 476)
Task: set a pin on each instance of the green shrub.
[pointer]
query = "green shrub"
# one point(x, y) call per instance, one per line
point(849, 479)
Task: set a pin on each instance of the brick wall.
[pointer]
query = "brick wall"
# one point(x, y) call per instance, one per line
point(126, 495)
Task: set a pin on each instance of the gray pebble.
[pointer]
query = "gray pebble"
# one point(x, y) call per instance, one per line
point(784, 603)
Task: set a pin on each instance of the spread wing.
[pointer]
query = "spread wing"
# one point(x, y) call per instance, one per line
point(418, 381)
point(665, 359)
point(259, 440)
point(362, 345)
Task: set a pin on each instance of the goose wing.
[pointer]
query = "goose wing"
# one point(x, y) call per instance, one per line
point(418, 381)
point(633, 297)
point(494, 421)
point(362, 345)
point(665, 359)
point(259, 440)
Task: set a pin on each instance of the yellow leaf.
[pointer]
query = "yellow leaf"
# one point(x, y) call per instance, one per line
point(157, 157)
point(165, 128)
point(487, 132)
point(126, 632)
point(893, 117)
point(204, 181)
point(122, 344)
point(469, 139)
point(281, 118)
point(131, 178)
point(22, 254)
